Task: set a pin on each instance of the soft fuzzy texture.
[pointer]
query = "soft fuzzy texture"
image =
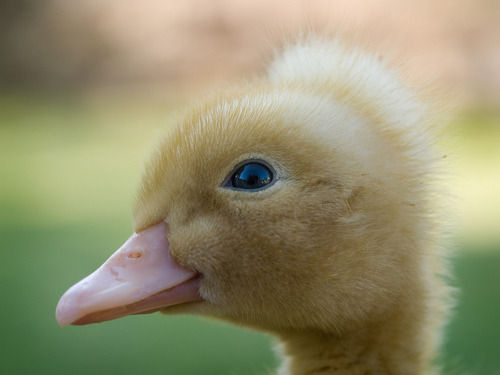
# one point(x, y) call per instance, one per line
point(341, 257)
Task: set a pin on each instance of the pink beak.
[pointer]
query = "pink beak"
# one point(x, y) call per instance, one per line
point(140, 277)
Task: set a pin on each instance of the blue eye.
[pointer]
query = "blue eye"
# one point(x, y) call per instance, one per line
point(250, 176)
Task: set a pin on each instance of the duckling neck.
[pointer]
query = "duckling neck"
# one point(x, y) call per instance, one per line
point(369, 351)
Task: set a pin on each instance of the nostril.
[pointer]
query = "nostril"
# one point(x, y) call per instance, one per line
point(135, 255)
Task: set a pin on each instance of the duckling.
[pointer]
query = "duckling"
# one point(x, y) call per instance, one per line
point(302, 203)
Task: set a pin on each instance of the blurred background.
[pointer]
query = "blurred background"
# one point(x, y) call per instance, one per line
point(86, 88)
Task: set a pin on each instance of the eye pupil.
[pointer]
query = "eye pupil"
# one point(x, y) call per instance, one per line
point(251, 176)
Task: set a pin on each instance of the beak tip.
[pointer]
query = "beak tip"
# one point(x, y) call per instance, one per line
point(64, 312)
point(62, 322)
point(61, 319)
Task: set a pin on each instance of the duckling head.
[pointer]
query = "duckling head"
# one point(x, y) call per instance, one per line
point(282, 205)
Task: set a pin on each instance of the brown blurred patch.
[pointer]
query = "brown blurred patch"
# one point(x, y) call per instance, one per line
point(181, 45)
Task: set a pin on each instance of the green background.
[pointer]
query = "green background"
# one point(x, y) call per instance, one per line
point(69, 168)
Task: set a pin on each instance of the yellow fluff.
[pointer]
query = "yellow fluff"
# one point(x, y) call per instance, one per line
point(340, 258)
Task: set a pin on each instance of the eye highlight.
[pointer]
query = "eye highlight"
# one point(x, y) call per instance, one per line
point(251, 175)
